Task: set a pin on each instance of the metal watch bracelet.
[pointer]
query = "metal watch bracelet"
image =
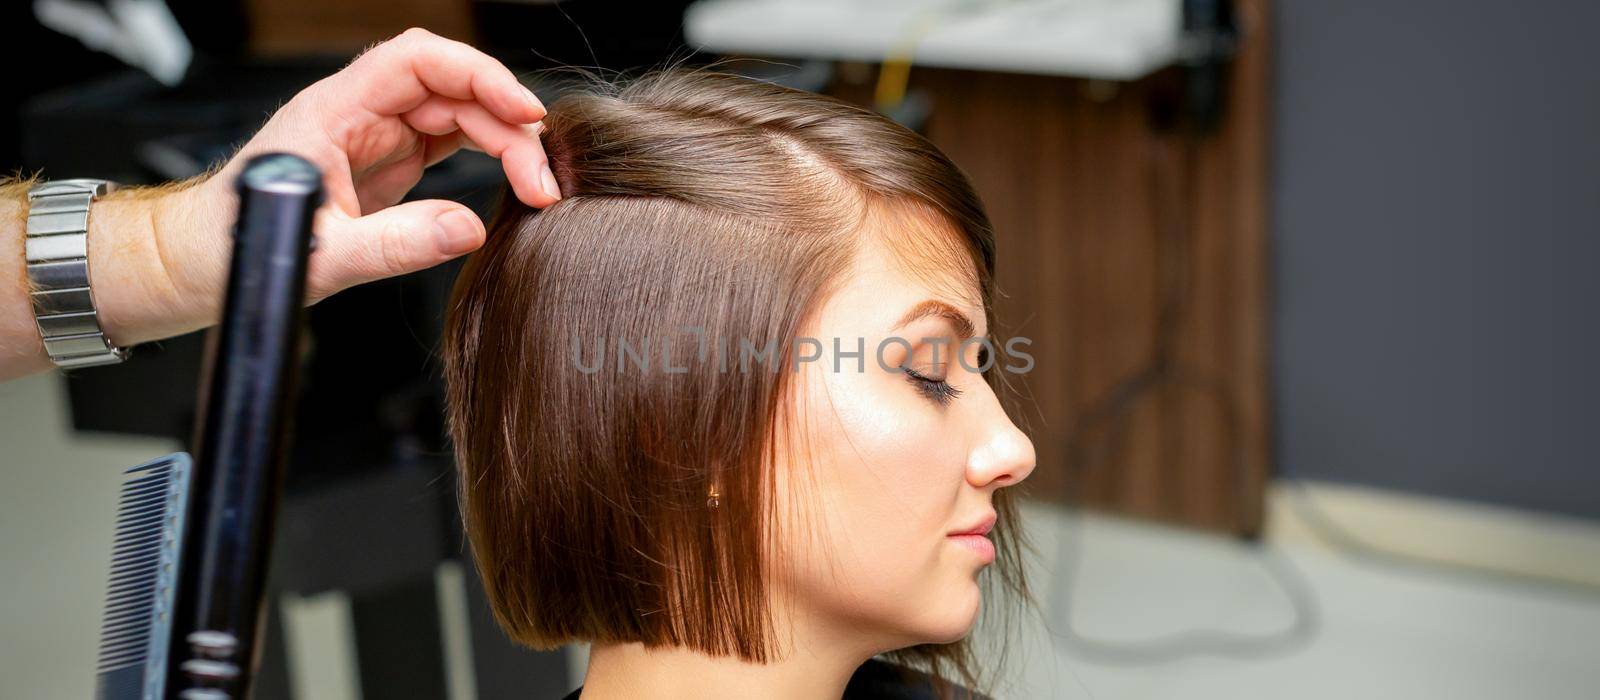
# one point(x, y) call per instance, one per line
point(58, 270)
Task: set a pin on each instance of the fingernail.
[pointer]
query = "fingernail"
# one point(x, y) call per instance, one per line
point(455, 232)
point(550, 186)
point(533, 100)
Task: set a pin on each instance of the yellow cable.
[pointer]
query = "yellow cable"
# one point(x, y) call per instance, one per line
point(895, 73)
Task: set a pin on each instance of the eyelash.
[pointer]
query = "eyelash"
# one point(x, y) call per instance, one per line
point(937, 390)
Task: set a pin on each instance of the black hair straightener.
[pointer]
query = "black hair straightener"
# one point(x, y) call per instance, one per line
point(189, 558)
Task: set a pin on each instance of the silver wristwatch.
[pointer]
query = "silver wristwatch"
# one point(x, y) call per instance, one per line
point(58, 268)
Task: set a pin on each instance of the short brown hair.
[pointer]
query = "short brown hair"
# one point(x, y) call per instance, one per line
point(690, 199)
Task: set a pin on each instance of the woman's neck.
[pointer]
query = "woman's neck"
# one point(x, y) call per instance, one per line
point(813, 670)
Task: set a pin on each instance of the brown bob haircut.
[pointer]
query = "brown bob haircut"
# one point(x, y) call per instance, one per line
point(691, 199)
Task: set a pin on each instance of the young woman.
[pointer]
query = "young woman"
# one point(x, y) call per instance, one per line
point(727, 410)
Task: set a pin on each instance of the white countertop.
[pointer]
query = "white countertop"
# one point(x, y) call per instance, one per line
point(1105, 39)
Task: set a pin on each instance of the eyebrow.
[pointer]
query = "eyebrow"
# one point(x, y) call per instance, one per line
point(934, 307)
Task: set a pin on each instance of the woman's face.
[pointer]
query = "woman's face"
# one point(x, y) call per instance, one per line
point(899, 463)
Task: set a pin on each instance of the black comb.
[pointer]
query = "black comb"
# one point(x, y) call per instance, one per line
point(144, 563)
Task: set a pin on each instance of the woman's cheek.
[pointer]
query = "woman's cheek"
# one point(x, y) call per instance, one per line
point(899, 462)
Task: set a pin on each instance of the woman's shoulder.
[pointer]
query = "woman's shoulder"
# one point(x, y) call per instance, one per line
point(881, 680)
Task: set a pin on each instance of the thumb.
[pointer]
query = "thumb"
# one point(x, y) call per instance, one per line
point(386, 243)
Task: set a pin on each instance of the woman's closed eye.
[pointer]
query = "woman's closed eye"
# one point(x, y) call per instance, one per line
point(934, 389)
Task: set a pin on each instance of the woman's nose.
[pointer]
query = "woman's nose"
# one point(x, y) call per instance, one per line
point(1002, 457)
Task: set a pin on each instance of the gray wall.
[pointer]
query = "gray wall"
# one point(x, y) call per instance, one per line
point(1436, 232)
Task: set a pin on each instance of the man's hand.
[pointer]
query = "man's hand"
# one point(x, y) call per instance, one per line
point(402, 106)
point(159, 257)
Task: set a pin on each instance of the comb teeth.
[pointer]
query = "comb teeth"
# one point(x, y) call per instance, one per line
point(144, 562)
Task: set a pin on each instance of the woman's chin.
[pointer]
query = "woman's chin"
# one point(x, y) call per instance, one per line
point(953, 619)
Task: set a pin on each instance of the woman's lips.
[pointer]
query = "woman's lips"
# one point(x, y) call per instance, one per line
point(979, 544)
point(976, 537)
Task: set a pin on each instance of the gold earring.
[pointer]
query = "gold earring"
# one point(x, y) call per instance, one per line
point(713, 499)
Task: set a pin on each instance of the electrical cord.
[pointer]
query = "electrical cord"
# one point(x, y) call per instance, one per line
point(1162, 369)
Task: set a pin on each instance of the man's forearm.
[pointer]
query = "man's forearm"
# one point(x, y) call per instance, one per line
point(21, 350)
point(135, 234)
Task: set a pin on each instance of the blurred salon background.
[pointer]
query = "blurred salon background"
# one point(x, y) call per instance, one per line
point(1310, 286)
